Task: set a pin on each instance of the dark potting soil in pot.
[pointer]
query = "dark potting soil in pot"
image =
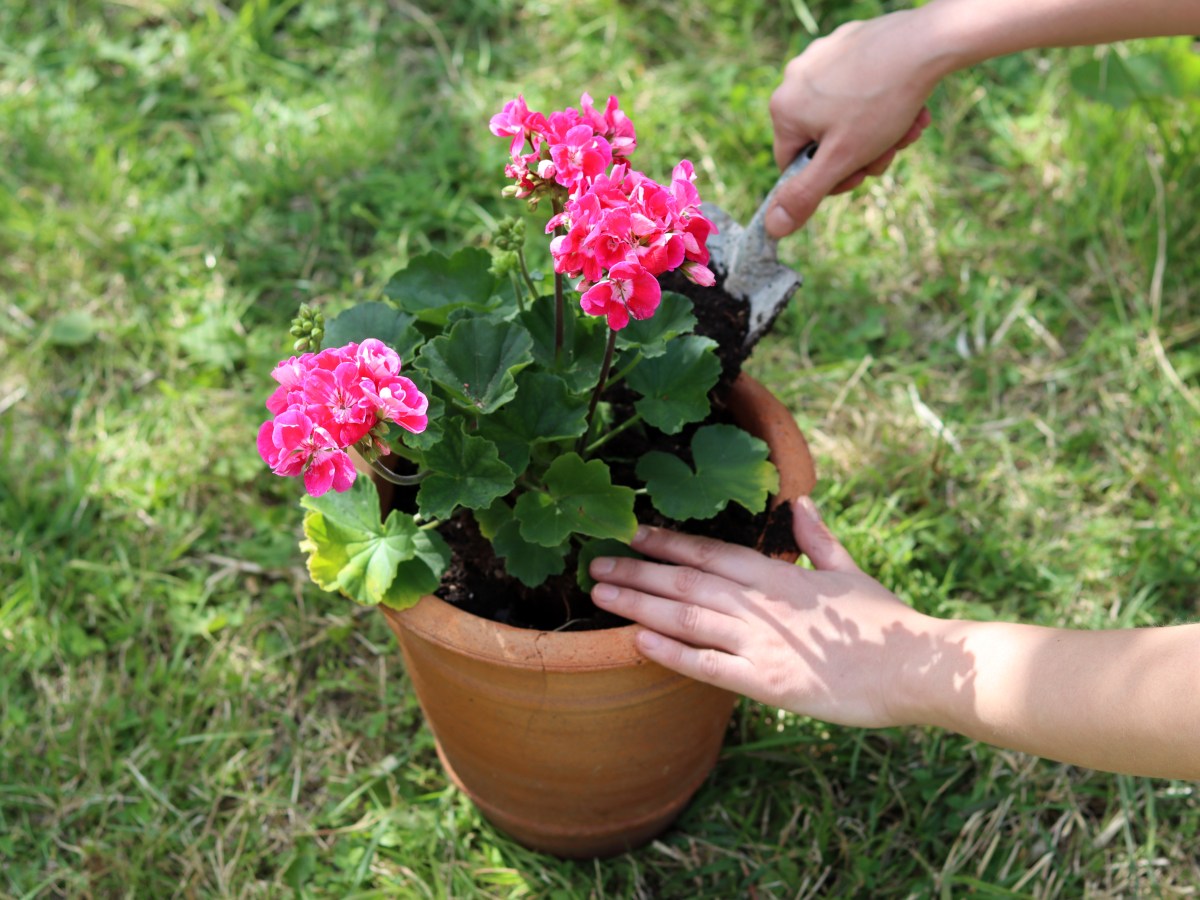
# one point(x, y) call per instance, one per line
point(476, 580)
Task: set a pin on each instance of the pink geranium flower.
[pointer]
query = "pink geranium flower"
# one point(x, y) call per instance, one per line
point(376, 359)
point(398, 400)
point(628, 291)
point(516, 121)
point(338, 400)
point(579, 157)
point(332, 400)
point(294, 445)
point(290, 374)
point(613, 124)
point(607, 219)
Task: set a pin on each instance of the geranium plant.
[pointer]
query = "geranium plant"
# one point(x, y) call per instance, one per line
point(487, 396)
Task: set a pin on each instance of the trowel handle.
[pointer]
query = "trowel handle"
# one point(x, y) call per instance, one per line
point(795, 167)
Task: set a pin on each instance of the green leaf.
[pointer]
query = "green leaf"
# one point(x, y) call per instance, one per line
point(421, 575)
point(675, 386)
point(584, 340)
point(467, 471)
point(544, 410)
point(477, 361)
point(529, 563)
point(381, 321)
point(491, 519)
point(579, 497)
point(538, 320)
point(673, 317)
point(434, 285)
point(731, 465)
point(393, 562)
point(592, 549)
point(357, 508)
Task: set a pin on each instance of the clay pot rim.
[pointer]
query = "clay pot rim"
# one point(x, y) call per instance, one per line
point(754, 408)
point(434, 620)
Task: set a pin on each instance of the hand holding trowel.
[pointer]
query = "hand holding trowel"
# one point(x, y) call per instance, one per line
point(745, 258)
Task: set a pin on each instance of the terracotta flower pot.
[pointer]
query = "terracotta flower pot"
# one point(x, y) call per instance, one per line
point(572, 742)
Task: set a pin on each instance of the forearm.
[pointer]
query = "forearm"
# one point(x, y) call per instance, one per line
point(968, 31)
point(1120, 700)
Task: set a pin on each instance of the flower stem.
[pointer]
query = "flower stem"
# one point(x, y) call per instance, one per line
point(605, 438)
point(388, 475)
point(525, 274)
point(518, 291)
point(558, 318)
point(600, 385)
point(559, 311)
point(620, 376)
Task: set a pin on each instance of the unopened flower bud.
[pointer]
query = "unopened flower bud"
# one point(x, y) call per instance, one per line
point(308, 327)
point(503, 262)
point(510, 234)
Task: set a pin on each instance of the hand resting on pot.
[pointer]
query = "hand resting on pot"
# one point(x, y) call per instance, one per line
point(833, 643)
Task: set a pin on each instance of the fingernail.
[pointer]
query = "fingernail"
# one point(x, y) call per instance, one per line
point(603, 565)
point(779, 222)
point(807, 508)
point(642, 533)
point(648, 640)
point(604, 593)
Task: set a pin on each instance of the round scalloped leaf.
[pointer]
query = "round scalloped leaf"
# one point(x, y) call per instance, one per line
point(432, 286)
point(675, 386)
point(730, 465)
point(579, 498)
point(467, 471)
point(393, 562)
point(477, 361)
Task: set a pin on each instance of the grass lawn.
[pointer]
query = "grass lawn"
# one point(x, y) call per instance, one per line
point(996, 357)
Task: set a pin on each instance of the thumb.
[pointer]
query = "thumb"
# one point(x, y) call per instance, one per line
point(798, 197)
point(816, 541)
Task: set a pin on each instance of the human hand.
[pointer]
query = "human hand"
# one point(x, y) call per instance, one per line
point(859, 93)
point(829, 642)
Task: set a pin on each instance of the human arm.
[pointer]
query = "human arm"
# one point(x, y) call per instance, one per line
point(860, 91)
point(833, 643)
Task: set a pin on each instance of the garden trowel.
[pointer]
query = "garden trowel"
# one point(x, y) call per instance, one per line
point(745, 259)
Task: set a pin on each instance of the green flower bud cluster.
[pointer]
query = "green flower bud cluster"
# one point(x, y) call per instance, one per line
point(374, 443)
point(308, 328)
point(507, 245)
point(510, 234)
point(503, 262)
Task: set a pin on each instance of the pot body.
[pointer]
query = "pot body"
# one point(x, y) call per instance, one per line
point(572, 742)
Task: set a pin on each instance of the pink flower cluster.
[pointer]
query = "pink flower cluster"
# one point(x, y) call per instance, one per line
point(331, 400)
point(567, 148)
point(617, 230)
point(623, 232)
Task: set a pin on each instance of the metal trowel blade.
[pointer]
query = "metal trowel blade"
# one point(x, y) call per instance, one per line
point(746, 258)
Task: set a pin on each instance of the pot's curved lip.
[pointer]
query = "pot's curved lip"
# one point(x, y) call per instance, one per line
point(437, 622)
